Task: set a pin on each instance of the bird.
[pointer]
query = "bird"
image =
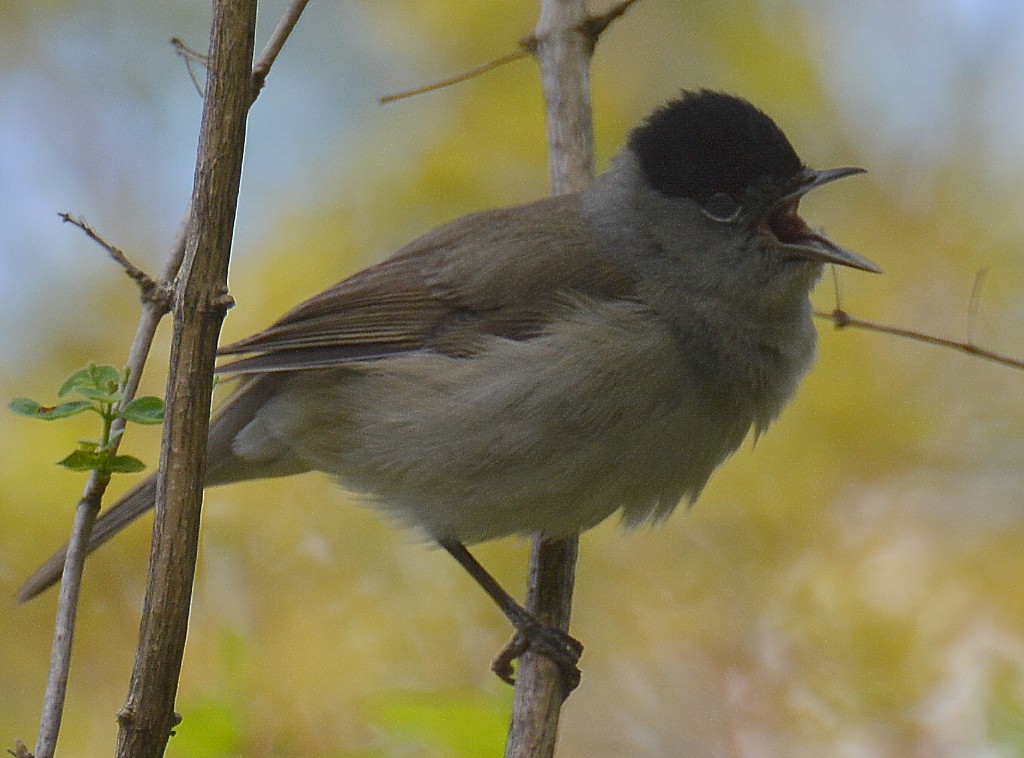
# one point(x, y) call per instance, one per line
point(535, 369)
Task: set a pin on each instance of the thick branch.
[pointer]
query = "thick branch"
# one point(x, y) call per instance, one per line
point(563, 51)
point(148, 715)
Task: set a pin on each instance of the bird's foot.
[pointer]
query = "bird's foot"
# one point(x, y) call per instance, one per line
point(554, 644)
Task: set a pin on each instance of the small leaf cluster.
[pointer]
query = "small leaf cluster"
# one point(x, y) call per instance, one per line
point(99, 386)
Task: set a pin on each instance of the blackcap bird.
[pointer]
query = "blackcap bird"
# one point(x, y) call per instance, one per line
point(535, 369)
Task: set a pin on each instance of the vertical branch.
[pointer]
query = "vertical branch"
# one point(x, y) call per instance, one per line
point(64, 627)
point(563, 50)
point(148, 715)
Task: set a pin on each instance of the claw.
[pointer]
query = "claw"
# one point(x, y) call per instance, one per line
point(502, 663)
point(554, 644)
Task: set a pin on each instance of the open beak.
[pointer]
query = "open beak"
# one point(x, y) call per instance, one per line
point(796, 238)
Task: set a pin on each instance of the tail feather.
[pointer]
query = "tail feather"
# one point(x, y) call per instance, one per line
point(222, 467)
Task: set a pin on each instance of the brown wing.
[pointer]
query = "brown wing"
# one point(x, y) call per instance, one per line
point(493, 273)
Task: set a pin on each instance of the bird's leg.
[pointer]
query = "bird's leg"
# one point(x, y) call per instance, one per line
point(531, 632)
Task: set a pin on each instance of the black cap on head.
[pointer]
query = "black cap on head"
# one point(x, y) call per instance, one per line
point(707, 142)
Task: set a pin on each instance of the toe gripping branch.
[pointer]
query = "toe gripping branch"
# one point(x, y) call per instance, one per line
point(531, 632)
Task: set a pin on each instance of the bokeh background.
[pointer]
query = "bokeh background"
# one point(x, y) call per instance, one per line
point(854, 586)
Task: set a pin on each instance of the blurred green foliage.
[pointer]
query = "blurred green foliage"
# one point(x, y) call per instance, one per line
point(852, 586)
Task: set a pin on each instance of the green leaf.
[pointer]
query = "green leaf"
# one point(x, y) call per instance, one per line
point(110, 395)
point(82, 377)
point(98, 460)
point(83, 460)
point(93, 379)
point(27, 407)
point(144, 410)
point(24, 406)
point(89, 446)
point(125, 464)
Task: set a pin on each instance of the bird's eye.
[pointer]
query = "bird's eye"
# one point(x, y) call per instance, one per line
point(721, 207)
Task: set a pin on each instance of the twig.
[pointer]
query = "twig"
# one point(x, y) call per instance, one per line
point(842, 320)
point(156, 302)
point(591, 27)
point(190, 56)
point(278, 37)
point(501, 60)
point(64, 626)
point(145, 282)
point(260, 69)
point(187, 52)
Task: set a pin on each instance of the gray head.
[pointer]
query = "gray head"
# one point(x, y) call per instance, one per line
point(716, 185)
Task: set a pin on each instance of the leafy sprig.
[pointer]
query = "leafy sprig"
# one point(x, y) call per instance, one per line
point(100, 386)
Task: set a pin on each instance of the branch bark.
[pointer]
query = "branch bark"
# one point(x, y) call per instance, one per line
point(563, 51)
point(148, 715)
point(67, 611)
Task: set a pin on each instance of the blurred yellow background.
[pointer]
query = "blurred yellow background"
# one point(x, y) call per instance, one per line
point(854, 586)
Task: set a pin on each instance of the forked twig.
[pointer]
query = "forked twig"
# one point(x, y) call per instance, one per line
point(842, 320)
point(190, 57)
point(278, 37)
point(261, 68)
point(144, 280)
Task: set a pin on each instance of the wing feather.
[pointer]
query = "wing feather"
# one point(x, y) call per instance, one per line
point(446, 291)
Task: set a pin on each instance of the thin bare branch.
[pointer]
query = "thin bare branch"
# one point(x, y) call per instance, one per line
point(191, 58)
point(501, 60)
point(278, 37)
point(156, 299)
point(145, 282)
point(592, 27)
point(67, 611)
point(842, 320)
point(188, 53)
